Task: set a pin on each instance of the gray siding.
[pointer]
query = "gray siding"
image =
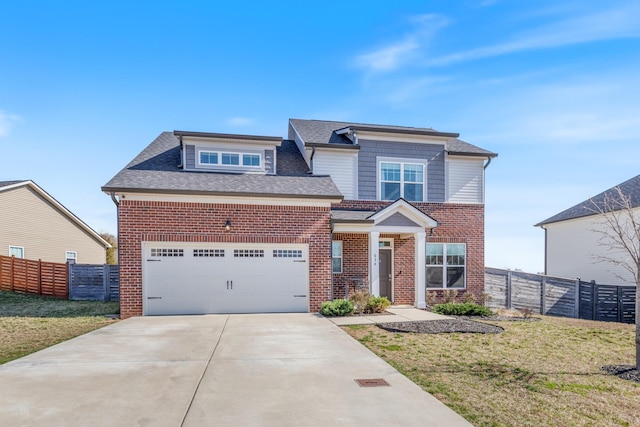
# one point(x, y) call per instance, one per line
point(269, 161)
point(398, 220)
point(367, 174)
point(190, 151)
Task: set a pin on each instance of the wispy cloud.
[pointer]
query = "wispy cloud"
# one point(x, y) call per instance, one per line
point(6, 122)
point(240, 121)
point(396, 54)
point(621, 22)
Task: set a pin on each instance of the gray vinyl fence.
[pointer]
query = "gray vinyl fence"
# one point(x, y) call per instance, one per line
point(94, 282)
point(557, 296)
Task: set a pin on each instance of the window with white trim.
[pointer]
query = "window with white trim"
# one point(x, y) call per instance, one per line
point(223, 158)
point(446, 265)
point(336, 256)
point(401, 179)
point(16, 251)
point(71, 256)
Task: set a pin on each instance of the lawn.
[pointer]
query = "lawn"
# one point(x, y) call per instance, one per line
point(30, 323)
point(544, 373)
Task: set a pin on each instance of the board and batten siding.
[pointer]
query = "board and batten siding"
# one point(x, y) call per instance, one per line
point(342, 169)
point(572, 250)
point(30, 221)
point(465, 180)
point(368, 165)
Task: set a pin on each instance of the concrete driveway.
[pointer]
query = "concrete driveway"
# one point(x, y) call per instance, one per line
point(215, 370)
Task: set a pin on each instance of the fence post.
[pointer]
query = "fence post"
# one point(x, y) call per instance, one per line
point(13, 272)
point(105, 281)
point(543, 296)
point(576, 300)
point(594, 304)
point(509, 290)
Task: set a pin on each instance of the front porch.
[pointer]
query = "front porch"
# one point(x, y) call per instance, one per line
point(381, 251)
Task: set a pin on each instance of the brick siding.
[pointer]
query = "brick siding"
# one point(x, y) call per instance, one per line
point(141, 221)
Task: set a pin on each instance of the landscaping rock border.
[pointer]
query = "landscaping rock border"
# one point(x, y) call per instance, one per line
point(625, 372)
point(442, 326)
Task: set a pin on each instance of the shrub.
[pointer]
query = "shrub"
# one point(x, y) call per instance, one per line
point(360, 300)
point(337, 307)
point(449, 295)
point(377, 304)
point(461, 309)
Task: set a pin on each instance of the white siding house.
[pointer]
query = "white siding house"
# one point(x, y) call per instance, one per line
point(572, 242)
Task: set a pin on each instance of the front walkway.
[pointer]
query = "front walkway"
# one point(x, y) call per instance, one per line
point(399, 313)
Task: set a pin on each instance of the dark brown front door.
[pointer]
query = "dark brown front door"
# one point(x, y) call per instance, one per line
point(386, 269)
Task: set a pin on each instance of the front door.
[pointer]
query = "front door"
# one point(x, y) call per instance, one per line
point(386, 273)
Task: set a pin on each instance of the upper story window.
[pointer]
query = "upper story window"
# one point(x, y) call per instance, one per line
point(71, 256)
point(222, 158)
point(402, 179)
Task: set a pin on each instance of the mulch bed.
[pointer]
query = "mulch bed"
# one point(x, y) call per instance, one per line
point(625, 372)
point(442, 326)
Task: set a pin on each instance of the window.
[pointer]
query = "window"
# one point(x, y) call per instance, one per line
point(248, 253)
point(71, 256)
point(446, 265)
point(287, 253)
point(208, 158)
point(208, 253)
point(220, 158)
point(167, 252)
point(404, 180)
point(230, 159)
point(251, 160)
point(336, 256)
point(16, 251)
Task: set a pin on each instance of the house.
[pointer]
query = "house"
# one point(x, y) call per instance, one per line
point(36, 226)
point(220, 223)
point(572, 247)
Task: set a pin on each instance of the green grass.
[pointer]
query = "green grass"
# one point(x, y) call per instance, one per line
point(544, 373)
point(30, 323)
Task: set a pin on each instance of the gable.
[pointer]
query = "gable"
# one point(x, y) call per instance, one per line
point(398, 220)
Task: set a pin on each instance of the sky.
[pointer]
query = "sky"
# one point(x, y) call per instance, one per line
point(552, 86)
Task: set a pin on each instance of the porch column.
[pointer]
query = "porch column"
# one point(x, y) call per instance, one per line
point(420, 263)
point(374, 269)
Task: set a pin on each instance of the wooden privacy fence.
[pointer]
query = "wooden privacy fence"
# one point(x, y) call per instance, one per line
point(33, 277)
point(94, 282)
point(558, 296)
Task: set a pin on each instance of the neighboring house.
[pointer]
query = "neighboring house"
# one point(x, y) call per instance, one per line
point(572, 243)
point(219, 223)
point(36, 226)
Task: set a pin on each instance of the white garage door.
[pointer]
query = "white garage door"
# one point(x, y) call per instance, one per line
point(199, 278)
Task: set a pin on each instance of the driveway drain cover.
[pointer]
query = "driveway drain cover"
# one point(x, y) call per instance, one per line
point(372, 382)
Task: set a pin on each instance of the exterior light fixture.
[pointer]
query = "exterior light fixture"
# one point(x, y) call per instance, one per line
point(227, 225)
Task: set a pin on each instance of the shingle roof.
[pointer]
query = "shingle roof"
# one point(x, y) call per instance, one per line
point(156, 169)
point(8, 183)
point(341, 215)
point(630, 188)
point(323, 132)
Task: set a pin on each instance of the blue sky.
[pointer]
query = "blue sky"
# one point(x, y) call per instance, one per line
point(552, 86)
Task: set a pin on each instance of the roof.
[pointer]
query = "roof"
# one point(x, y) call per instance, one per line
point(323, 132)
point(630, 188)
point(155, 170)
point(10, 185)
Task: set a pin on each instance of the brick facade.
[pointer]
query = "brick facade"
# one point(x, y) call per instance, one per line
point(141, 221)
point(458, 223)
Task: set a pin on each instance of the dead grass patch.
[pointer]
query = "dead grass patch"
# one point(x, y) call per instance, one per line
point(544, 373)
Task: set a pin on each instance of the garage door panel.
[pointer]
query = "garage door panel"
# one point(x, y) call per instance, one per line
point(190, 278)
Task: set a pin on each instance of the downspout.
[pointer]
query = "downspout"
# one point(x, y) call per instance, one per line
point(117, 203)
point(313, 152)
point(488, 163)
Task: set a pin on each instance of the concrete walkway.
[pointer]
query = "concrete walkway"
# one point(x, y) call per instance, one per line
point(222, 370)
point(399, 313)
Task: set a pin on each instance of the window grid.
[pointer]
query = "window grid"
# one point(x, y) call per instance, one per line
point(248, 253)
point(336, 256)
point(446, 265)
point(224, 158)
point(287, 253)
point(399, 179)
point(164, 252)
point(211, 253)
